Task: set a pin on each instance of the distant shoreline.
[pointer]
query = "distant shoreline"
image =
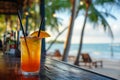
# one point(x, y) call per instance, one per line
point(61, 42)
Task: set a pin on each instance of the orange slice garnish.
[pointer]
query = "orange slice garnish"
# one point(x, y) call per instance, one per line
point(43, 34)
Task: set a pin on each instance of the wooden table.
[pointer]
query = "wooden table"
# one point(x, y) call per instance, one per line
point(54, 70)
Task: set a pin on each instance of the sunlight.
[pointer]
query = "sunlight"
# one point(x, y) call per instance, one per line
point(96, 53)
point(54, 15)
point(81, 2)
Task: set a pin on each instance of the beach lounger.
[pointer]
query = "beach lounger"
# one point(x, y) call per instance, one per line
point(86, 59)
point(57, 55)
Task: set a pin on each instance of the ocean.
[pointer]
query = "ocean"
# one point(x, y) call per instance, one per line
point(95, 50)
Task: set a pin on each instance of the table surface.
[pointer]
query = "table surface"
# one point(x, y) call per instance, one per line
point(53, 70)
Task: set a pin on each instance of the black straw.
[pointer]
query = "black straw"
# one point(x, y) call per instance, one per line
point(19, 16)
point(42, 21)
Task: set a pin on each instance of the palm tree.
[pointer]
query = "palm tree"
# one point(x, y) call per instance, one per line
point(96, 18)
point(88, 3)
point(70, 30)
point(52, 21)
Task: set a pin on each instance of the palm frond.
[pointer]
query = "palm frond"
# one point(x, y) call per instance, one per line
point(92, 17)
point(108, 15)
point(104, 23)
point(53, 6)
point(102, 2)
point(118, 3)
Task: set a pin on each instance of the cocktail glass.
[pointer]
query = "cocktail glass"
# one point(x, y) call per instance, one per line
point(30, 55)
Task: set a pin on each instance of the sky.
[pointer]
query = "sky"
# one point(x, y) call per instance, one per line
point(91, 35)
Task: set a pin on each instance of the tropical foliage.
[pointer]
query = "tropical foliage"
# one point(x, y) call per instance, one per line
point(51, 7)
point(7, 22)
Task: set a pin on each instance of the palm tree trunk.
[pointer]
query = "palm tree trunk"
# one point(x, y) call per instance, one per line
point(81, 39)
point(70, 30)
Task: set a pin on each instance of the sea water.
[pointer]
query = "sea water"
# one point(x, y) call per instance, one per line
point(104, 50)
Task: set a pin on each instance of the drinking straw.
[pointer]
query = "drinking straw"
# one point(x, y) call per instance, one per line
point(19, 16)
point(42, 20)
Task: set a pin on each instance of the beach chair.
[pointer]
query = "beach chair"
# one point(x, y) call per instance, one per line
point(57, 55)
point(86, 59)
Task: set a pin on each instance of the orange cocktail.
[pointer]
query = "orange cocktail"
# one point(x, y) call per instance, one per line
point(30, 54)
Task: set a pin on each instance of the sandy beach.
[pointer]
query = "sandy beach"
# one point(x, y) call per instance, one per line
point(110, 68)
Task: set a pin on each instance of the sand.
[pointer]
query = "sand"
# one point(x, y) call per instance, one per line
point(110, 68)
